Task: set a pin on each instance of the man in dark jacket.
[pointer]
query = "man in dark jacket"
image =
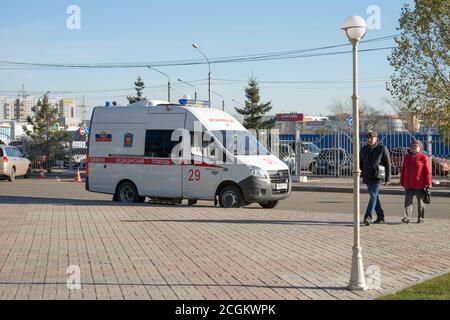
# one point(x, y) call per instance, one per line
point(372, 156)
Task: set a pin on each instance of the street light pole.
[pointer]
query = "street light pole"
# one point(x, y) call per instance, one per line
point(195, 88)
point(209, 73)
point(223, 99)
point(239, 103)
point(168, 80)
point(355, 29)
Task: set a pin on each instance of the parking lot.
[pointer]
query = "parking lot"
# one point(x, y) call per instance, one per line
point(153, 251)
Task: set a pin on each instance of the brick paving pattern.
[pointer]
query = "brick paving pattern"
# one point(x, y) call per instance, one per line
point(179, 252)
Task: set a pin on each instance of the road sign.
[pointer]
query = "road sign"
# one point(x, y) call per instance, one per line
point(350, 121)
point(82, 131)
point(55, 126)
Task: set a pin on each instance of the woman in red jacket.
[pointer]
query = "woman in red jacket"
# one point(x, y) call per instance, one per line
point(415, 178)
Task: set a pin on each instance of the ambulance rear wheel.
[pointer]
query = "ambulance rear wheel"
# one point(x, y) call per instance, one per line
point(230, 197)
point(127, 193)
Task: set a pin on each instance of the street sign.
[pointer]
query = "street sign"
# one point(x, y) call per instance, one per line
point(55, 126)
point(82, 131)
point(350, 121)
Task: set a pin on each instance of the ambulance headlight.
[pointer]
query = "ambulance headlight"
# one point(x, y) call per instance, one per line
point(257, 172)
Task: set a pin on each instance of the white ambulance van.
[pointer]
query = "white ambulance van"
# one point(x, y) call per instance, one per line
point(183, 151)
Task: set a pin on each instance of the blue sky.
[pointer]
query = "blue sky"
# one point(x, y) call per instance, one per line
point(145, 31)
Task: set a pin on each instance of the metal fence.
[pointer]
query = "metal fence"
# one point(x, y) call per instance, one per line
point(335, 157)
point(58, 155)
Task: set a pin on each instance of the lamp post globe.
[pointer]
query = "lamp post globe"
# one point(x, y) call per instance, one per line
point(355, 28)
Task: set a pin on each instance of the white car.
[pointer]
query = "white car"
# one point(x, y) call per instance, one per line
point(13, 163)
point(309, 154)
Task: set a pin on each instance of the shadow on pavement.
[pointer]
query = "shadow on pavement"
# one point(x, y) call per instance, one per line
point(84, 202)
point(279, 222)
point(180, 285)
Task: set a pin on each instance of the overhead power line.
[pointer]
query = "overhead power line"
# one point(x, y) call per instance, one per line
point(293, 54)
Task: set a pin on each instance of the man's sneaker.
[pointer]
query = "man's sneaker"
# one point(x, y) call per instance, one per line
point(367, 221)
point(404, 220)
point(379, 221)
point(421, 220)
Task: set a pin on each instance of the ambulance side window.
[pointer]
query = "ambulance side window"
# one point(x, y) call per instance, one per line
point(158, 143)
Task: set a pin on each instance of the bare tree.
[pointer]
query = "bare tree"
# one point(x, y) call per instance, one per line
point(342, 110)
point(407, 115)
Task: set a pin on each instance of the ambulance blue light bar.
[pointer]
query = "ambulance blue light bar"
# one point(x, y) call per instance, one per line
point(199, 103)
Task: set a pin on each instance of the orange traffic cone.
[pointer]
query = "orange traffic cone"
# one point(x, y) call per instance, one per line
point(77, 176)
point(41, 173)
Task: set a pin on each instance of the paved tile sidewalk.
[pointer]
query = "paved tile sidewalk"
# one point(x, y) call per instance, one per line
point(170, 252)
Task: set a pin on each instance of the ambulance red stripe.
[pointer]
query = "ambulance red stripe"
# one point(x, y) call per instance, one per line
point(143, 161)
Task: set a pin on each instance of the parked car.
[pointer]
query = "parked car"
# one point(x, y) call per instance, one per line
point(397, 155)
point(439, 165)
point(287, 155)
point(311, 147)
point(13, 163)
point(333, 161)
point(309, 153)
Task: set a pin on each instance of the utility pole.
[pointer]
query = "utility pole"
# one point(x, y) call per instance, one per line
point(21, 104)
point(83, 109)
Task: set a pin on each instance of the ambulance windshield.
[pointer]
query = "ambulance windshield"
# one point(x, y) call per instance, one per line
point(240, 143)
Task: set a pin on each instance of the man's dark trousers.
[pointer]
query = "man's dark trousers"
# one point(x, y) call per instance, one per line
point(374, 201)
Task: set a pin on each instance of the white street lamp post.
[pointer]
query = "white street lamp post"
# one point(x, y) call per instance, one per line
point(223, 99)
point(355, 29)
point(191, 86)
point(237, 102)
point(168, 81)
point(209, 73)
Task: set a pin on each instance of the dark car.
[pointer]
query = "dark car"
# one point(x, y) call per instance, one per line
point(333, 161)
point(397, 156)
point(439, 166)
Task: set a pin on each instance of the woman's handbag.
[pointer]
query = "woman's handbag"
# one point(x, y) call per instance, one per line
point(427, 196)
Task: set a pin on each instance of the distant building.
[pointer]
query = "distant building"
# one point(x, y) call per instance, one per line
point(66, 108)
point(288, 123)
point(19, 109)
point(14, 129)
point(5, 133)
point(70, 123)
point(6, 108)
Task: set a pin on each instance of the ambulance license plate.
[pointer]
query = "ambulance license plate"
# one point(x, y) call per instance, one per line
point(282, 186)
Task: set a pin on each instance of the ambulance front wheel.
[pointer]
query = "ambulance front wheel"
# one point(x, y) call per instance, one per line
point(127, 192)
point(230, 197)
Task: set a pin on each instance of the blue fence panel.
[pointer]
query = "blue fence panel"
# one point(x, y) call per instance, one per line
point(390, 140)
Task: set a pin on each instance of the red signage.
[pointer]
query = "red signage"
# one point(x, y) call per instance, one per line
point(82, 131)
point(290, 117)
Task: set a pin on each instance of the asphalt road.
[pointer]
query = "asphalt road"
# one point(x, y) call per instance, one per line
point(339, 203)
